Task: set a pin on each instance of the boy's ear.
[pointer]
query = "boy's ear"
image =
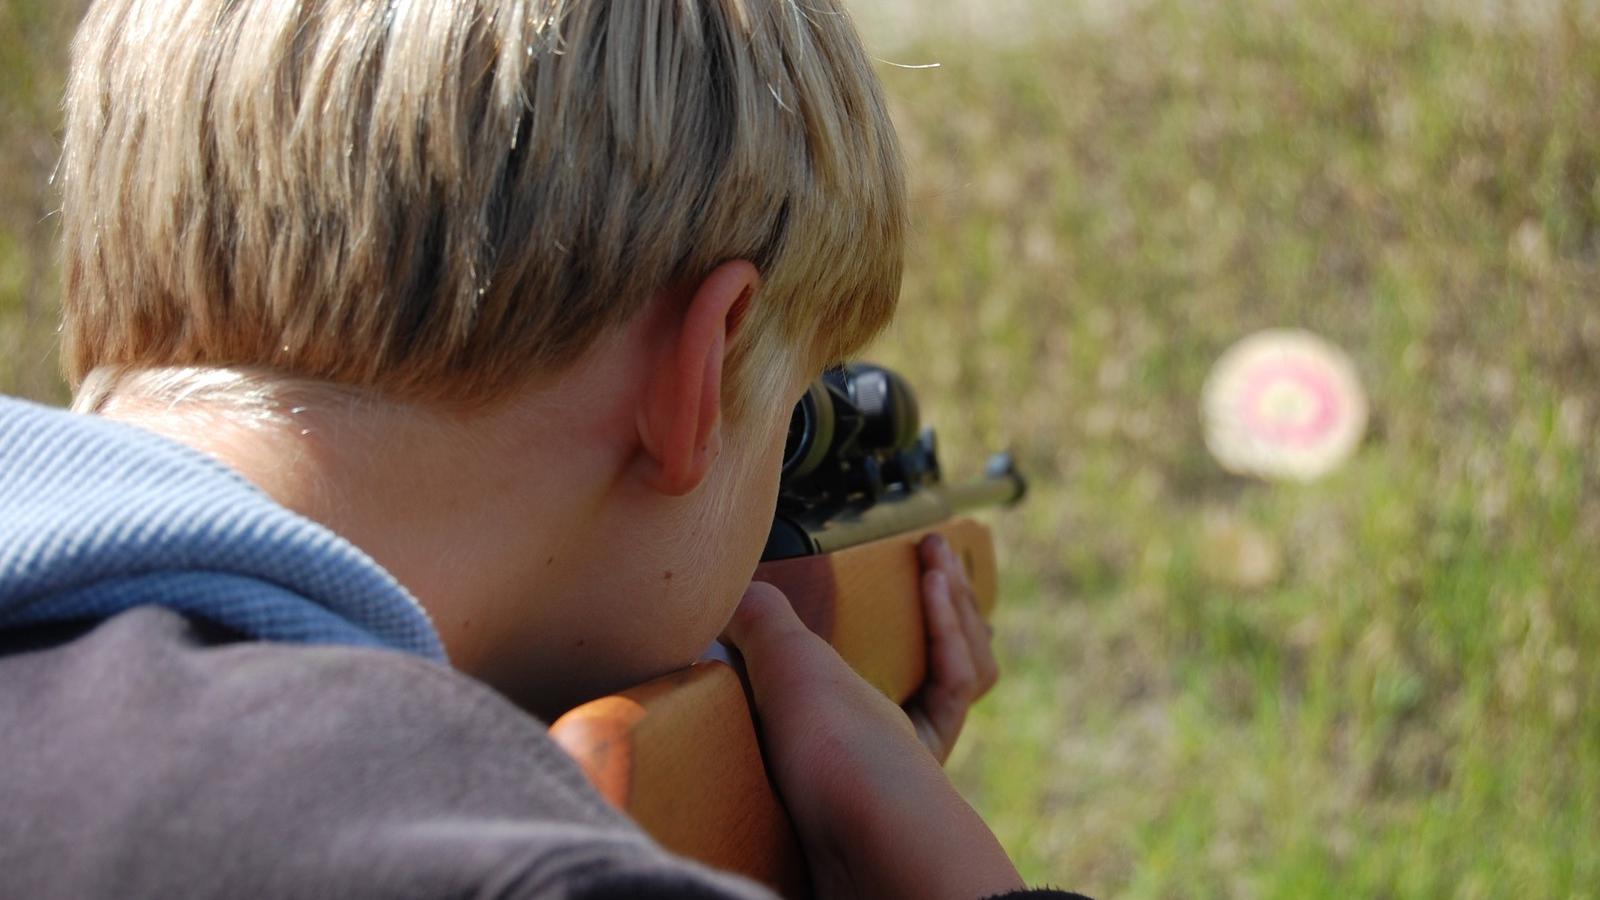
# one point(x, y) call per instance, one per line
point(680, 409)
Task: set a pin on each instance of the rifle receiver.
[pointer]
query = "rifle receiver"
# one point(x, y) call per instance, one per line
point(857, 468)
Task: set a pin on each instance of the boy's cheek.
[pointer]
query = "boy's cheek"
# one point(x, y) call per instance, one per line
point(739, 529)
point(657, 610)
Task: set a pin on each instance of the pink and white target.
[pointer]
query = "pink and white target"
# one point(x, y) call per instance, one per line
point(1283, 404)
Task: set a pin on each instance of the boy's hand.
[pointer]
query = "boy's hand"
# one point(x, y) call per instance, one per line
point(961, 666)
point(875, 812)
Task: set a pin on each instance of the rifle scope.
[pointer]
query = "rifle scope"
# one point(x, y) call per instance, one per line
point(857, 468)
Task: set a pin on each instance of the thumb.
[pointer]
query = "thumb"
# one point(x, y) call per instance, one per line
point(783, 659)
point(763, 618)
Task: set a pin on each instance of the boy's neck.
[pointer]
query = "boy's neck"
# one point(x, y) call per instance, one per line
point(453, 507)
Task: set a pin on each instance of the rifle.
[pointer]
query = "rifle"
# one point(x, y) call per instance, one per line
point(861, 486)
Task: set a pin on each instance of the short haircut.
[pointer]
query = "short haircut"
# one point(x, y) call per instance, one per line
point(439, 199)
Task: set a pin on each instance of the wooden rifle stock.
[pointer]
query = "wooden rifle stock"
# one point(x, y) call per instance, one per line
point(680, 754)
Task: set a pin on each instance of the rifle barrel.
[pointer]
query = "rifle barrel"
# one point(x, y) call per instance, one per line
point(1001, 485)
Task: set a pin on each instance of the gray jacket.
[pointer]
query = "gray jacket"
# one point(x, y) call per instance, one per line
point(151, 756)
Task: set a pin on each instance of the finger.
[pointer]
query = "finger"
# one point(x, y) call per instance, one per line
point(980, 640)
point(954, 679)
point(938, 744)
point(949, 656)
point(945, 560)
point(937, 725)
point(979, 634)
point(949, 652)
point(937, 554)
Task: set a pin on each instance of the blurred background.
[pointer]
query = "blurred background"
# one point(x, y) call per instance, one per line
point(1380, 684)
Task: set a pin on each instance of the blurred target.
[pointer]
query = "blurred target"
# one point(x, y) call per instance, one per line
point(1283, 404)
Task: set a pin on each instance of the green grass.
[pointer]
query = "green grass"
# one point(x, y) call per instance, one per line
point(33, 39)
point(1410, 706)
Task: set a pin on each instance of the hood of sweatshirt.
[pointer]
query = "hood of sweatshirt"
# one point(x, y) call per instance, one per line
point(98, 517)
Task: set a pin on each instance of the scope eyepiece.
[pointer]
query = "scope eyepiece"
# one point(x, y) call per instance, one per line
point(854, 410)
point(810, 432)
point(855, 433)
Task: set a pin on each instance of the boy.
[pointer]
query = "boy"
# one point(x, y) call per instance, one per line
point(456, 330)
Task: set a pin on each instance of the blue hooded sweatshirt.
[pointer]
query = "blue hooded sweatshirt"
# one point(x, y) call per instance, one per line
point(98, 517)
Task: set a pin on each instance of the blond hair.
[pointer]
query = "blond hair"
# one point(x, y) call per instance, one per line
point(438, 199)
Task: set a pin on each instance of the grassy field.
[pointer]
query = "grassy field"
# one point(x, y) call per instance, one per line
point(33, 37)
point(1384, 684)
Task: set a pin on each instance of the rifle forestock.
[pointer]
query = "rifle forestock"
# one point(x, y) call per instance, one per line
point(680, 755)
